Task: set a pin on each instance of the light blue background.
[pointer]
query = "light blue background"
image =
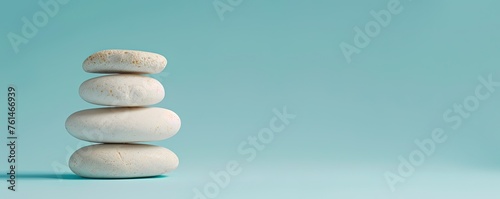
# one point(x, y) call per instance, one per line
point(224, 78)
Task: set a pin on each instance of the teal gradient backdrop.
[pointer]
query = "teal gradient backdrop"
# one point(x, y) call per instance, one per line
point(225, 77)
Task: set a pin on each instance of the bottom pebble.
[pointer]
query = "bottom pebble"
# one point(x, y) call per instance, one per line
point(122, 161)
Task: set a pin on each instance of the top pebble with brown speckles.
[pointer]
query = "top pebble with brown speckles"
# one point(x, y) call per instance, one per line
point(125, 61)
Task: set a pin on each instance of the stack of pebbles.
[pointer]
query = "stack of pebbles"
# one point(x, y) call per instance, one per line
point(129, 121)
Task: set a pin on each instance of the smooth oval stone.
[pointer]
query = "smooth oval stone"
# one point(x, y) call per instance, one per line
point(123, 125)
point(124, 61)
point(122, 161)
point(122, 90)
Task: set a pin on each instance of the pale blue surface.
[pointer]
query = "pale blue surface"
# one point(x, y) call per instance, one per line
point(224, 78)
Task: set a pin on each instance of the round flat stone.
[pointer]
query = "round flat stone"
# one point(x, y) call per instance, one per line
point(122, 161)
point(122, 90)
point(123, 125)
point(124, 61)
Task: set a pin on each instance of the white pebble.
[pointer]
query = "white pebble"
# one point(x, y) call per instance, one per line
point(122, 90)
point(124, 61)
point(122, 161)
point(123, 125)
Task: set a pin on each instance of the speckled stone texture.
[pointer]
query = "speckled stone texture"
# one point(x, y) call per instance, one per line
point(124, 61)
